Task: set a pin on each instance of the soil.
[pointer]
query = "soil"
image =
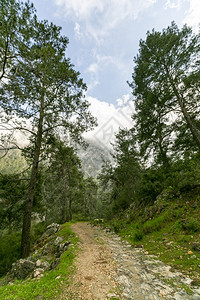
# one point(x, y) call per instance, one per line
point(108, 268)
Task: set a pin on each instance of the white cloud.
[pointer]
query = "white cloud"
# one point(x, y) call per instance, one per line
point(100, 17)
point(193, 15)
point(102, 62)
point(173, 4)
point(92, 85)
point(110, 119)
point(77, 30)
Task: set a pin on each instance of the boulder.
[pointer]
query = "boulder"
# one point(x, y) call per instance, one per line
point(38, 273)
point(51, 230)
point(64, 246)
point(42, 264)
point(22, 268)
point(58, 240)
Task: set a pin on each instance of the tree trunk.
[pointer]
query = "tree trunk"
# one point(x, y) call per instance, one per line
point(64, 200)
point(193, 129)
point(70, 209)
point(25, 242)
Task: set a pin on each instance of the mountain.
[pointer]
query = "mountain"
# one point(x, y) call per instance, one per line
point(12, 162)
point(92, 158)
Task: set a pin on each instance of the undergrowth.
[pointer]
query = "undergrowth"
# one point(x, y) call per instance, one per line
point(168, 229)
point(51, 285)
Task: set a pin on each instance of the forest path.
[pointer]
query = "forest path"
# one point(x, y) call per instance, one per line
point(108, 268)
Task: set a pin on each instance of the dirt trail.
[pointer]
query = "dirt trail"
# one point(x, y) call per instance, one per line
point(108, 268)
point(95, 267)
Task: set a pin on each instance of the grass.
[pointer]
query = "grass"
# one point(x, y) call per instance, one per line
point(51, 285)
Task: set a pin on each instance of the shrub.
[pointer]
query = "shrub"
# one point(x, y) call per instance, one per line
point(156, 224)
point(191, 225)
point(9, 251)
point(138, 236)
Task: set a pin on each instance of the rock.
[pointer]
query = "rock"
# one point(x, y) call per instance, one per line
point(64, 246)
point(55, 263)
point(51, 230)
point(49, 249)
point(42, 264)
point(58, 240)
point(38, 263)
point(38, 272)
point(111, 295)
point(54, 227)
point(22, 268)
point(195, 297)
point(45, 265)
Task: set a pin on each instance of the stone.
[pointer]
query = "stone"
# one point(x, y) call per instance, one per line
point(42, 264)
point(48, 249)
point(38, 263)
point(54, 227)
point(38, 272)
point(64, 246)
point(22, 268)
point(45, 265)
point(51, 230)
point(55, 263)
point(58, 240)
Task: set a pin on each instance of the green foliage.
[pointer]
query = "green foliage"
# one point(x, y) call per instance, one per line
point(165, 84)
point(122, 179)
point(12, 162)
point(138, 235)
point(166, 228)
point(9, 251)
point(191, 225)
point(12, 194)
point(156, 223)
point(53, 283)
point(37, 230)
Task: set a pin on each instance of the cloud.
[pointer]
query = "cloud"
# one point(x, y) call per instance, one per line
point(77, 31)
point(173, 4)
point(110, 119)
point(101, 62)
point(192, 18)
point(92, 85)
point(99, 17)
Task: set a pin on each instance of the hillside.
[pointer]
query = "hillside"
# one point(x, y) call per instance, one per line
point(12, 162)
point(169, 229)
point(93, 157)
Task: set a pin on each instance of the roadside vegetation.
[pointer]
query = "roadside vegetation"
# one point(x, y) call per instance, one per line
point(52, 283)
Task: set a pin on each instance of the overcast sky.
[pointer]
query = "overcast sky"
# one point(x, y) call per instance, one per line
point(103, 40)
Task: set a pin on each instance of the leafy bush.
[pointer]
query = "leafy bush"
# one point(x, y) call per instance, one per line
point(9, 251)
point(156, 224)
point(37, 230)
point(138, 236)
point(191, 225)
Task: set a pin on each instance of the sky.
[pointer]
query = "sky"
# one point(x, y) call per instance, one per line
point(103, 41)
